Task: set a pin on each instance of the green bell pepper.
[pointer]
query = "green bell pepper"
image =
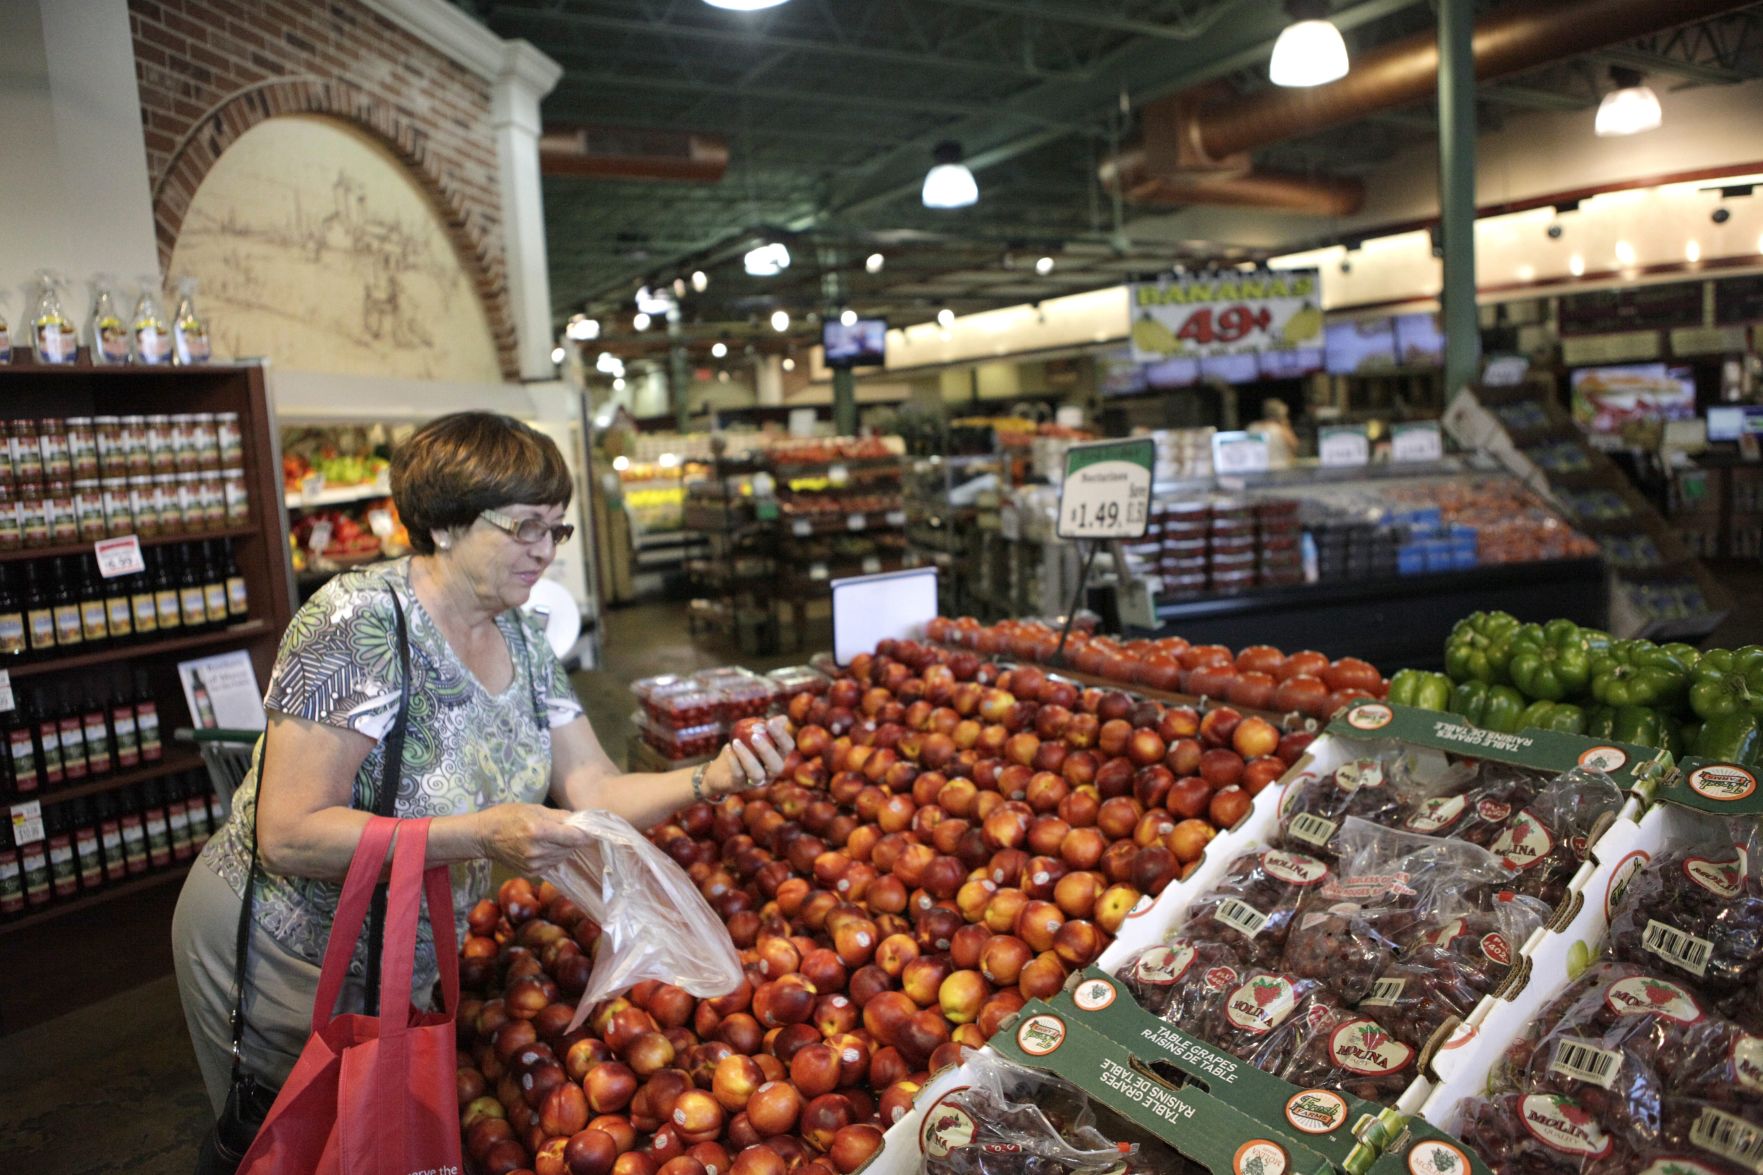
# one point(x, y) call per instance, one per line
point(1472, 639)
point(1642, 725)
point(1600, 721)
point(1730, 738)
point(1562, 716)
point(1418, 688)
point(1688, 733)
point(1491, 707)
point(1548, 662)
point(1728, 681)
point(1639, 673)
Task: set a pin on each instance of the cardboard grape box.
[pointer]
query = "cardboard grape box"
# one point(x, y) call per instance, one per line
point(1556, 954)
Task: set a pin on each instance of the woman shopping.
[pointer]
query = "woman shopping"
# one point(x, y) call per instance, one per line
point(492, 730)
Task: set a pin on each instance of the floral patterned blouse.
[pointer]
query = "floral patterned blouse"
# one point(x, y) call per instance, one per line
point(464, 750)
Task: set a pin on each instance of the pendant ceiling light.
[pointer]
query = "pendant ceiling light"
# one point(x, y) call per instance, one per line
point(949, 184)
point(1310, 52)
point(767, 260)
point(745, 5)
point(1630, 108)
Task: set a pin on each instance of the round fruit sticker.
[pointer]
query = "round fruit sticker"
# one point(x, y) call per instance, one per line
point(1720, 878)
point(1609, 760)
point(946, 1127)
point(1092, 995)
point(1495, 948)
point(1370, 716)
point(1293, 868)
point(1723, 782)
point(1747, 1060)
point(1366, 1047)
point(1436, 813)
point(1142, 906)
point(1262, 1004)
point(1523, 842)
point(1620, 877)
point(1430, 1156)
point(1644, 995)
point(1562, 1124)
point(1678, 1165)
point(1316, 1111)
point(1259, 1156)
point(1039, 1035)
point(1164, 965)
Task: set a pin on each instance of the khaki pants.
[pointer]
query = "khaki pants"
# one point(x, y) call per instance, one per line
point(279, 988)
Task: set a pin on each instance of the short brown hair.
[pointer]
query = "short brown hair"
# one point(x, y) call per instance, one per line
point(455, 467)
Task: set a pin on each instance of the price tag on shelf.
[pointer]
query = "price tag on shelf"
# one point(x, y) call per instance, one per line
point(1341, 445)
point(27, 823)
point(838, 475)
point(1416, 441)
point(1236, 453)
point(119, 556)
point(1107, 490)
point(855, 522)
point(6, 700)
point(871, 565)
point(896, 518)
point(817, 571)
point(801, 528)
point(380, 522)
point(320, 538)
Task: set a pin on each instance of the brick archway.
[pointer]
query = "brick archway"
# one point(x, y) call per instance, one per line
point(208, 138)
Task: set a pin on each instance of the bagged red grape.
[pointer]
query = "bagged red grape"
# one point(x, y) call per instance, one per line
point(1333, 1048)
point(1388, 883)
point(1183, 980)
point(1683, 1162)
point(1448, 967)
point(1252, 906)
point(1476, 811)
point(1719, 1062)
point(1732, 1132)
point(1549, 839)
point(1015, 1121)
point(1696, 913)
point(1542, 1134)
point(1313, 809)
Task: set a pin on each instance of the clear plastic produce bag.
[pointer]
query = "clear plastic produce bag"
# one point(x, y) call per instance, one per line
point(654, 924)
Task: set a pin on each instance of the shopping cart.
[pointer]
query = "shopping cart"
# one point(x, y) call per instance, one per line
point(227, 755)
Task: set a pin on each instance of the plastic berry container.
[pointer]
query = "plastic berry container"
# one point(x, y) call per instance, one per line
point(799, 679)
point(740, 694)
point(680, 709)
point(690, 742)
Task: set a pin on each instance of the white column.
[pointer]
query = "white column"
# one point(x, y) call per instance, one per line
point(526, 76)
point(74, 195)
point(768, 380)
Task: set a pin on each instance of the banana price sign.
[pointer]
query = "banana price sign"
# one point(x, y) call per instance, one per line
point(1229, 313)
point(1107, 490)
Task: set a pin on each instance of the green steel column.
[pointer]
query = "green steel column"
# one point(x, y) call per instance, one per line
point(679, 372)
point(1457, 191)
point(844, 401)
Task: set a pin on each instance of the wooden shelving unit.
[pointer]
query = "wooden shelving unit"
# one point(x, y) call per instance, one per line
point(47, 955)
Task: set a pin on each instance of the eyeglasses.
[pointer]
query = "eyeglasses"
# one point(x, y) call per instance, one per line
point(528, 530)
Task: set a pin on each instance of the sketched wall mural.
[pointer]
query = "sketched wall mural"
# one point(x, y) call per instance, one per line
point(314, 248)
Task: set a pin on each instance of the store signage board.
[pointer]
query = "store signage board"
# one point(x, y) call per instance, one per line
point(27, 823)
point(1505, 371)
point(1107, 490)
point(1343, 446)
point(7, 702)
point(1416, 441)
point(868, 609)
point(1657, 307)
point(1237, 453)
point(1198, 315)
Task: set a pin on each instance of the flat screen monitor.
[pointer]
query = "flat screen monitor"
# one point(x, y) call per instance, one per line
point(862, 344)
point(1231, 369)
point(1728, 422)
point(1606, 400)
point(1419, 341)
point(1363, 347)
point(1293, 364)
point(868, 609)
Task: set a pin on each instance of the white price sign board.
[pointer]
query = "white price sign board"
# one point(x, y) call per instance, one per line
point(1239, 452)
point(119, 556)
point(1416, 441)
point(27, 823)
point(1107, 490)
point(6, 699)
point(1341, 445)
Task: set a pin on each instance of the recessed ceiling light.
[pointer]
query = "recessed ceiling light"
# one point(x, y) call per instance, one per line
point(780, 320)
point(789, 364)
point(949, 183)
point(557, 355)
point(1310, 52)
point(875, 262)
point(583, 329)
point(718, 350)
point(1629, 109)
point(945, 318)
point(700, 280)
point(848, 317)
point(641, 321)
point(767, 260)
point(1044, 266)
point(745, 5)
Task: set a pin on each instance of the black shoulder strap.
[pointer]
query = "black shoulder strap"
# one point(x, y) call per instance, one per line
point(243, 941)
point(532, 670)
point(391, 777)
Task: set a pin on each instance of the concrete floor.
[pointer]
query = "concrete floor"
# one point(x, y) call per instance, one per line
point(113, 1086)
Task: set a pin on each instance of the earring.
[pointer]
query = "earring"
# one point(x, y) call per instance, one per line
point(444, 544)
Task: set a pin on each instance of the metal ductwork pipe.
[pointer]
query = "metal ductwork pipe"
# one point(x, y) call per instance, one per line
point(1253, 189)
point(625, 153)
point(1519, 36)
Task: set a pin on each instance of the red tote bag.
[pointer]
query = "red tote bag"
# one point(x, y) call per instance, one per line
point(375, 1095)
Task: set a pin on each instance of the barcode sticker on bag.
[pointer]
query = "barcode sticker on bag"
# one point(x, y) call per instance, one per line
point(1241, 917)
point(1384, 993)
point(1674, 946)
point(1311, 829)
point(1729, 1137)
point(1585, 1061)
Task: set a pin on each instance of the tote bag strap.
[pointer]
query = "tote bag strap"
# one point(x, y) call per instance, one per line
point(403, 912)
point(358, 887)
